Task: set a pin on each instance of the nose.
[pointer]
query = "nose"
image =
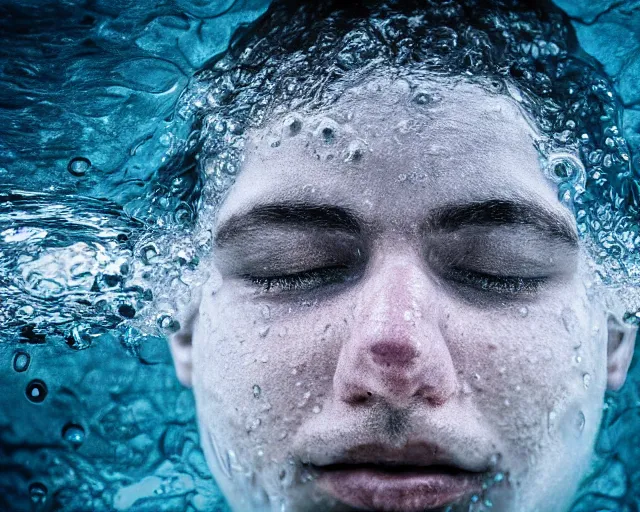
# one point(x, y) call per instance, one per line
point(395, 351)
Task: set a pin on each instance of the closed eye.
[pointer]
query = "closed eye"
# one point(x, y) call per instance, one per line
point(508, 284)
point(302, 281)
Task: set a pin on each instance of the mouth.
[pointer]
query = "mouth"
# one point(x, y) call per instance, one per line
point(391, 487)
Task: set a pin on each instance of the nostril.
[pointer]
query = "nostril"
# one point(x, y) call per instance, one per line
point(360, 397)
point(393, 353)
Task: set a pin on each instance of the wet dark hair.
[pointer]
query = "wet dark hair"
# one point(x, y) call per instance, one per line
point(303, 56)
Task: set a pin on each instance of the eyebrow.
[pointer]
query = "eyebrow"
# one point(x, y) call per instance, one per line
point(493, 212)
point(500, 212)
point(298, 214)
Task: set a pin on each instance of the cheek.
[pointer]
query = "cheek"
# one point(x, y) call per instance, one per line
point(526, 369)
point(261, 369)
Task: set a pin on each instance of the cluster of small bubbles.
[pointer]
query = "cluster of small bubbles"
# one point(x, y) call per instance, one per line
point(73, 434)
point(72, 257)
point(21, 361)
point(36, 391)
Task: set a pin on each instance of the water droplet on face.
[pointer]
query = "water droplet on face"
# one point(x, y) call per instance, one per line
point(21, 361)
point(586, 380)
point(328, 135)
point(305, 399)
point(293, 125)
point(316, 409)
point(79, 166)
point(38, 493)
point(257, 391)
point(36, 391)
point(581, 421)
point(355, 151)
point(523, 311)
point(264, 331)
point(274, 142)
point(551, 421)
point(73, 434)
point(252, 424)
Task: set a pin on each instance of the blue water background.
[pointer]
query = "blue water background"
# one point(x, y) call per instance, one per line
point(99, 80)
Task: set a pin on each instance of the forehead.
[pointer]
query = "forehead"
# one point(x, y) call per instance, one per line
point(414, 145)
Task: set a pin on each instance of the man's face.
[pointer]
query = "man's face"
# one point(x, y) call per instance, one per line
point(398, 317)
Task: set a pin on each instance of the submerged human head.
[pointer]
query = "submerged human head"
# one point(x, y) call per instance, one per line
point(402, 312)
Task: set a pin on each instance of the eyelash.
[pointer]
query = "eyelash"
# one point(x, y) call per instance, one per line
point(312, 279)
point(301, 281)
point(515, 285)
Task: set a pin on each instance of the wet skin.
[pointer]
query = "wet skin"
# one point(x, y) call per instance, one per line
point(399, 310)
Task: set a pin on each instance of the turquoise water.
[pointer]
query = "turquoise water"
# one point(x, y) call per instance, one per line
point(91, 416)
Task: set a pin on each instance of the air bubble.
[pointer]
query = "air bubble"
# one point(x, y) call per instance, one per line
point(25, 311)
point(126, 311)
point(586, 380)
point(80, 338)
point(523, 311)
point(328, 135)
point(167, 323)
point(257, 391)
point(73, 434)
point(632, 318)
point(150, 253)
point(79, 166)
point(566, 168)
point(21, 361)
point(36, 391)
point(38, 493)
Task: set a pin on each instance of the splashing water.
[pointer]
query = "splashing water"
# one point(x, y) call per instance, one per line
point(90, 286)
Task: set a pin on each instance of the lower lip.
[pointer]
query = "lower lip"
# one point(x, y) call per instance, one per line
point(374, 488)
